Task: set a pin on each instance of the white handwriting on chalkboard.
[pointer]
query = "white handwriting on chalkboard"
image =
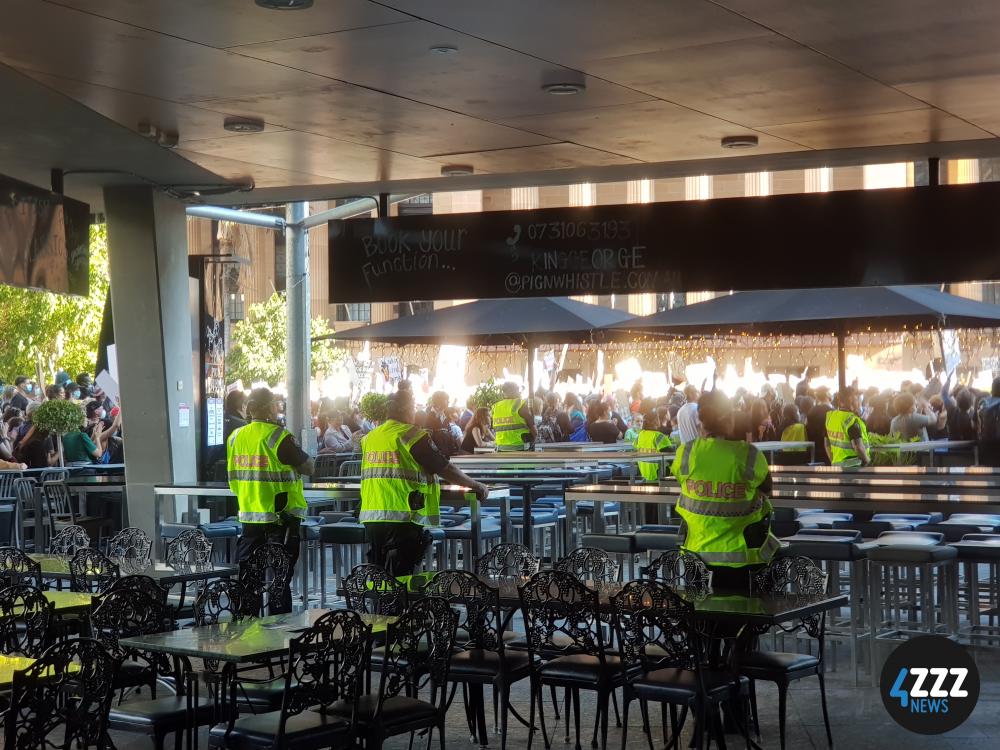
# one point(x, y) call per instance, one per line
point(598, 259)
point(576, 282)
point(426, 241)
point(595, 231)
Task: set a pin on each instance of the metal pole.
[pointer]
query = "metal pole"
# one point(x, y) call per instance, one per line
point(239, 217)
point(298, 415)
point(531, 377)
point(841, 359)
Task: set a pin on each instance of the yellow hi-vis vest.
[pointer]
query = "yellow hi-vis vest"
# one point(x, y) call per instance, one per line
point(794, 433)
point(257, 477)
point(509, 425)
point(647, 442)
point(727, 521)
point(390, 476)
point(842, 452)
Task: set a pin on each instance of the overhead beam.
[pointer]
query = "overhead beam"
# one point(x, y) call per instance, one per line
point(808, 159)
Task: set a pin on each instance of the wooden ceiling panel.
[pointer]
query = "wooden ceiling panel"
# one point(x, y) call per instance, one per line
point(479, 79)
point(574, 32)
point(224, 23)
point(760, 81)
point(46, 38)
point(531, 158)
point(262, 176)
point(313, 154)
point(189, 122)
point(914, 126)
point(651, 131)
point(361, 115)
point(896, 41)
point(973, 98)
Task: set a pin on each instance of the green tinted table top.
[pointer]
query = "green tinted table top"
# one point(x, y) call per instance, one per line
point(9, 665)
point(57, 566)
point(69, 602)
point(249, 641)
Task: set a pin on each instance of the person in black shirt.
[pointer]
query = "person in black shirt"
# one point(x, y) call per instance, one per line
point(234, 415)
point(816, 423)
point(599, 428)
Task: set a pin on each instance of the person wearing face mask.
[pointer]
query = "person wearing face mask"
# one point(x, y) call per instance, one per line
point(23, 393)
point(73, 392)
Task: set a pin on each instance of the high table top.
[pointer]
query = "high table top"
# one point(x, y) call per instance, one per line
point(57, 566)
point(252, 640)
point(711, 604)
point(311, 490)
point(104, 480)
point(925, 445)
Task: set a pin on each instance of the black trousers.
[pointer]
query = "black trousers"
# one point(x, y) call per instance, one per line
point(257, 535)
point(397, 547)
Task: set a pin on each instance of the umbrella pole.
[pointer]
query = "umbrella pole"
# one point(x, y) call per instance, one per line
point(842, 359)
point(531, 378)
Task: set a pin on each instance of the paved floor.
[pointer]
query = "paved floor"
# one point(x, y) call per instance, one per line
point(859, 720)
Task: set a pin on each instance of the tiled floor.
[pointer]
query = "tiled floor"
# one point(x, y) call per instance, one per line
point(859, 720)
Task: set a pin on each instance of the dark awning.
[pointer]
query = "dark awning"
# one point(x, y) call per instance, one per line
point(819, 311)
point(494, 322)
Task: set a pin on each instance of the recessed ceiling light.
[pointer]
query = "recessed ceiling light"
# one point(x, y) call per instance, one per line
point(243, 125)
point(285, 4)
point(444, 49)
point(739, 141)
point(456, 170)
point(564, 88)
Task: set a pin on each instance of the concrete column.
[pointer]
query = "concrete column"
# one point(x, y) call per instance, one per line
point(147, 243)
point(297, 409)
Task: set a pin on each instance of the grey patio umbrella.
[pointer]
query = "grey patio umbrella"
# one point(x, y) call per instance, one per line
point(524, 322)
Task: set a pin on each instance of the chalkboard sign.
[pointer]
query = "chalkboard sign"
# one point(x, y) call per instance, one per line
point(919, 235)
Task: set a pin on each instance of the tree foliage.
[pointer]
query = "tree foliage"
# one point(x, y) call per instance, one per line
point(487, 394)
point(259, 347)
point(59, 416)
point(58, 331)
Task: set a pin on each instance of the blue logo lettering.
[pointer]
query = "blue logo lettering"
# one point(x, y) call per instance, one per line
point(897, 688)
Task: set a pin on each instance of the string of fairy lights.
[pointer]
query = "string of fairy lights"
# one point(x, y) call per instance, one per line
point(915, 344)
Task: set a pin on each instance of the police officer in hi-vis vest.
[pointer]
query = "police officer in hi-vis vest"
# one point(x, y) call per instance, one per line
point(512, 421)
point(400, 495)
point(726, 516)
point(846, 432)
point(265, 464)
point(651, 440)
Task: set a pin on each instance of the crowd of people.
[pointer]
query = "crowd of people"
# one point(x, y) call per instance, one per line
point(931, 410)
point(24, 445)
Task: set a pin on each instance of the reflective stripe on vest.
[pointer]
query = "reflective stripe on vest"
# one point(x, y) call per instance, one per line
point(256, 475)
point(842, 451)
point(720, 508)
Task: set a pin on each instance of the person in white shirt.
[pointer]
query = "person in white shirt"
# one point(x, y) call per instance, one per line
point(337, 438)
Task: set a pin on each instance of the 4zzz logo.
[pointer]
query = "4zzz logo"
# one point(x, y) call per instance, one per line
point(918, 698)
point(930, 685)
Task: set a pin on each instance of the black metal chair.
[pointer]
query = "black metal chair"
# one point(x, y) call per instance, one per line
point(17, 568)
point(590, 564)
point(190, 547)
point(794, 575)
point(129, 612)
point(480, 657)
point(370, 589)
point(63, 699)
point(59, 508)
point(663, 661)
point(508, 562)
point(25, 621)
point(91, 571)
point(322, 688)
point(130, 544)
point(680, 569)
point(418, 650)
point(28, 505)
point(266, 574)
point(149, 586)
point(556, 603)
point(68, 541)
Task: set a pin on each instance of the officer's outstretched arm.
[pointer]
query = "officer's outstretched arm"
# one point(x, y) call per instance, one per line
point(307, 469)
point(453, 474)
point(862, 451)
